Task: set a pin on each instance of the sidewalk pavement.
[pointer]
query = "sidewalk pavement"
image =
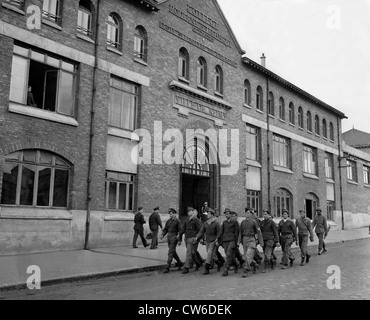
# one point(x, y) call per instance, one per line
point(69, 266)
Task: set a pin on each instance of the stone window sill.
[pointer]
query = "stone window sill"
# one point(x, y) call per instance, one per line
point(219, 95)
point(253, 163)
point(199, 86)
point(114, 50)
point(13, 8)
point(352, 182)
point(85, 38)
point(32, 213)
point(281, 120)
point(311, 176)
point(328, 180)
point(271, 116)
point(123, 134)
point(292, 124)
point(282, 169)
point(247, 106)
point(52, 24)
point(367, 186)
point(182, 79)
point(140, 61)
point(259, 111)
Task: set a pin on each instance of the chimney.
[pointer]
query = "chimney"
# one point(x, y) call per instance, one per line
point(263, 60)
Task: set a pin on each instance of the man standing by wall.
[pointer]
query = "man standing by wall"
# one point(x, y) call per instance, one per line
point(288, 234)
point(139, 228)
point(321, 228)
point(154, 223)
point(304, 230)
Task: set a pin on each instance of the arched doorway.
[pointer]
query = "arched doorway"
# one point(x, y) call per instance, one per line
point(198, 176)
point(311, 204)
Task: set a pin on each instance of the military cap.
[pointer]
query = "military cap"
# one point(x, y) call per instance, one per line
point(227, 210)
point(156, 208)
point(234, 213)
point(140, 208)
point(172, 210)
point(190, 209)
point(319, 209)
point(268, 212)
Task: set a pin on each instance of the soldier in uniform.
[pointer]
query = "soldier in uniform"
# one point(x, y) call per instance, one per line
point(321, 228)
point(190, 228)
point(238, 255)
point(203, 214)
point(210, 230)
point(139, 228)
point(304, 230)
point(172, 230)
point(155, 223)
point(248, 230)
point(257, 256)
point(288, 234)
point(229, 236)
point(270, 236)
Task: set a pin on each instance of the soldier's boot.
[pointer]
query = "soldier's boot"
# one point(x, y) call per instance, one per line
point(302, 261)
point(236, 270)
point(266, 267)
point(254, 267)
point(179, 265)
point(185, 271)
point(245, 273)
point(308, 258)
point(226, 272)
point(291, 262)
point(197, 267)
point(219, 265)
point(167, 270)
point(206, 270)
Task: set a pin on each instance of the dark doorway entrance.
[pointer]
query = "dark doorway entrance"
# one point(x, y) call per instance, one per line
point(309, 209)
point(312, 203)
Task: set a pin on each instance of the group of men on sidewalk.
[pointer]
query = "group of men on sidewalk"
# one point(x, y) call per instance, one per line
point(230, 235)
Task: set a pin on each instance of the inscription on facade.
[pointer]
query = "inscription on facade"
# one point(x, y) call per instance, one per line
point(191, 103)
point(203, 17)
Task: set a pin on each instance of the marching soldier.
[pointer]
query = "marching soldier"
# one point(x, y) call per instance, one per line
point(172, 230)
point(270, 236)
point(248, 231)
point(304, 230)
point(238, 254)
point(288, 234)
point(210, 230)
point(139, 228)
point(321, 229)
point(154, 223)
point(229, 236)
point(257, 256)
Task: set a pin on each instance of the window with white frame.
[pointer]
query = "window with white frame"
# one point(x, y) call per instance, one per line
point(281, 151)
point(183, 68)
point(300, 118)
point(330, 210)
point(202, 72)
point(123, 104)
point(252, 143)
point(259, 98)
point(43, 81)
point(219, 80)
point(366, 171)
point(310, 160)
point(291, 113)
point(16, 3)
point(282, 109)
point(352, 171)
point(283, 201)
point(113, 31)
point(35, 178)
point(271, 104)
point(85, 18)
point(254, 200)
point(119, 191)
point(329, 165)
point(141, 43)
point(247, 93)
point(51, 10)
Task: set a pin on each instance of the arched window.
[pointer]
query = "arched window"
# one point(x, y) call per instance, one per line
point(141, 44)
point(202, 72)
point(85, 18)
point(219, 80)
point(309, 121)
point(271, 104)
point(282, 109)
point(324, 129)
point(51, 10)
point(184, 64)
point(283, 201)
point(317, 125)
point(35, 178)
point(259, 99)
point(247, 93)
point(291, 113)
point(331, 131)
point(300, 118)
point(114, 31)
point(196, 158)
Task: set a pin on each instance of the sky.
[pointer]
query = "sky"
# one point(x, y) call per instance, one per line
point(321, 46)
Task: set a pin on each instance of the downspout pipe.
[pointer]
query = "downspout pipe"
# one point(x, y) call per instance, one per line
point(268, 146)
point(92, 128)
point(340, 170)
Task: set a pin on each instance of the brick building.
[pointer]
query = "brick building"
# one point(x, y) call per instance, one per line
point(75, 89)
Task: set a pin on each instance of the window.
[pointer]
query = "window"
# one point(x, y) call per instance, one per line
point(247, 93)
point(16, 3)
point(309, 121)
point(366, 171)
point(330, 205)
point(51, 10)
point(141, 43)
point(271, 104)
point(85, 18)
point(281, 151)
point(202, 72)
point(119, 191)
point(252, 143)
point(114, 31)
point(123, 104)
point(196, 158)
point(310, 160)
point(259, 98)
point(291, 113)
point(184, 64)
point(43, 81)
point(283, 201)
point(329, 166)
point(282, 109)
point(331, 131)
point(300, 118)
point(352, 170)
point(219, 80)
point(317, 125)
point(35, 178)
point(253, 201)
point(324, 129)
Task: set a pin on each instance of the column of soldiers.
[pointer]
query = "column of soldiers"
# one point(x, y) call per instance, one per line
point(230, 235)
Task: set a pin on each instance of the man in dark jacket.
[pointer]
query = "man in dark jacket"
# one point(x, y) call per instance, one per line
point(210, 230)
point(288, 234)
point(190, 228)
point(270, 236)
point(304, 230)
point(154, 223)
point(139, 228)
point(228, 235)
point(321, 228)
point(172, 230)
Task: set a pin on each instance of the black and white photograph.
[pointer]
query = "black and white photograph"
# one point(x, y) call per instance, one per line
point(182, 156)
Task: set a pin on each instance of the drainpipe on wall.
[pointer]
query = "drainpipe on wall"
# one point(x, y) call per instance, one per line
point(92, 127)
point(268, 148)
point(340, 171)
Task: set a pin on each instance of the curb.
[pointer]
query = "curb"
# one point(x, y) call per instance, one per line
point(111, 274)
